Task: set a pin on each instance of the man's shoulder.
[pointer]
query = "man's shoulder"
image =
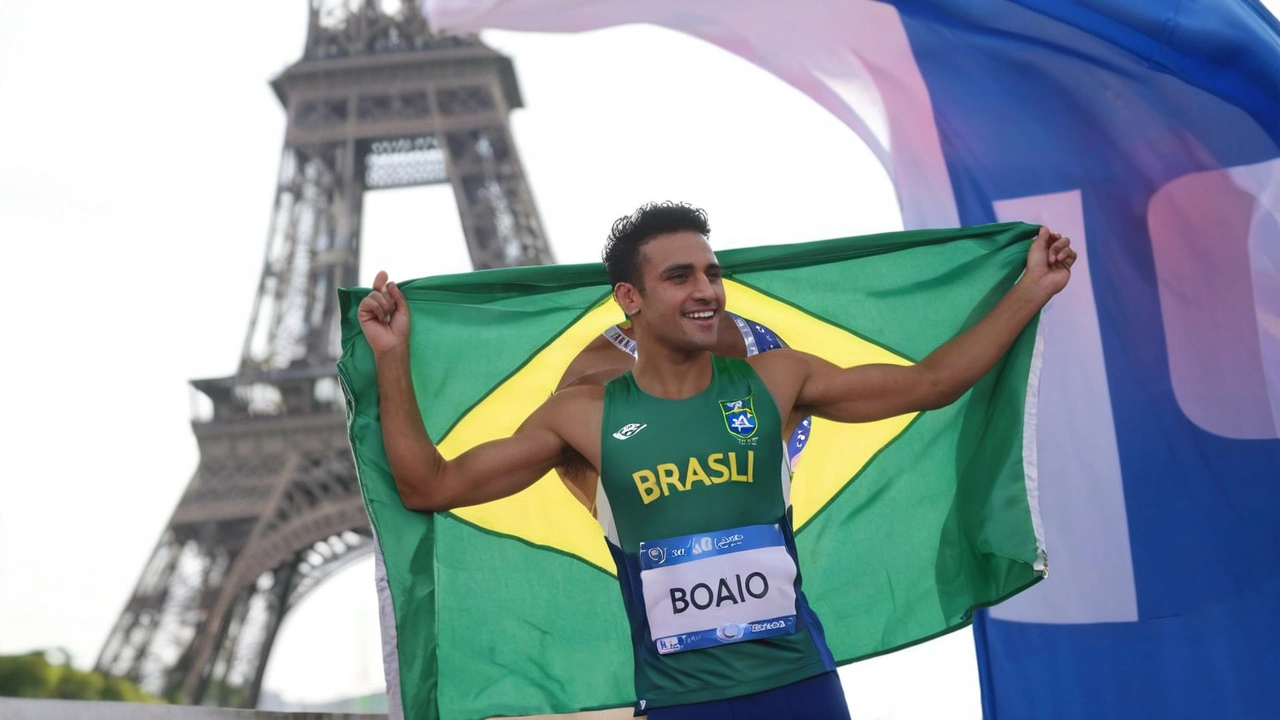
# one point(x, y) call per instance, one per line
point(582, 396)
point(598, 363)
point(576, 414)
point(775, 360)
point(781, 369)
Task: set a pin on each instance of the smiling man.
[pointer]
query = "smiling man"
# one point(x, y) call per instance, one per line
point(613, 352)
point(683, 458)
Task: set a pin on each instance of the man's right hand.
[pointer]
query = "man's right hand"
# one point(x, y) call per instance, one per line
point(384, 316)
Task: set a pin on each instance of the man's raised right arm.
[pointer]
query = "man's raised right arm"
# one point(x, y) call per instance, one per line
point(425, 479)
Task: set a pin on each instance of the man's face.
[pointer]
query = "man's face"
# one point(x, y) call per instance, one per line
point(683, 296)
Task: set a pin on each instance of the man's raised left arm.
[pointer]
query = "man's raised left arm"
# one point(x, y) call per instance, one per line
point(874, 392)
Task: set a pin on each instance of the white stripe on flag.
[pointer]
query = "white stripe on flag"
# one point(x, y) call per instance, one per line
point(390, 646)
point(1030, 455)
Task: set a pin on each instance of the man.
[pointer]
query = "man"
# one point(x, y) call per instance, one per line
point(686, 465)
point(613, 353)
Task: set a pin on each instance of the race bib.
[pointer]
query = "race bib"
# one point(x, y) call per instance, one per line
point(717, 588)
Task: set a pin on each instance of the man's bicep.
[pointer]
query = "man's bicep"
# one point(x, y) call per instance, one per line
point(498, 468)
point(863, 393)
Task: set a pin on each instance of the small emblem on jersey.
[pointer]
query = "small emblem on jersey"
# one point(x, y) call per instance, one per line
point(702, 545)
point(729, 632)
point(657, 555)
point(628, 430)
point(739, 417)
point(668, 645)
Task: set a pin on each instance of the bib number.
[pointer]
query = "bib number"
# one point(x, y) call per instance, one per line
point(717, 588)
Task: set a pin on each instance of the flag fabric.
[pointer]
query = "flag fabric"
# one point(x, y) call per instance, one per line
point(1150, 133)
point(904, 526)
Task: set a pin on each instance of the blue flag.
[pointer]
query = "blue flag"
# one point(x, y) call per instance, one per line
point(1149, 132)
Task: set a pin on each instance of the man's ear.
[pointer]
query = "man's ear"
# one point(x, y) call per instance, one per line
point(628, 298)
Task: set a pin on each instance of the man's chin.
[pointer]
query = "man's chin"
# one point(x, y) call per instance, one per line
point(701, 344)
point(692, 342)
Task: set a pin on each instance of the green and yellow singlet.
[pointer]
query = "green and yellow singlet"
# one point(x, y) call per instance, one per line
point(694, 501)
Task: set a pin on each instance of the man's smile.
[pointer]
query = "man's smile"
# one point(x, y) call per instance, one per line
point(705, 318)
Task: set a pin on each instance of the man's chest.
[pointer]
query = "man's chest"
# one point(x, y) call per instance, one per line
point(656, 459)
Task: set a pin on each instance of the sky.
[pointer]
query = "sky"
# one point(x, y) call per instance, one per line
point(139, 146)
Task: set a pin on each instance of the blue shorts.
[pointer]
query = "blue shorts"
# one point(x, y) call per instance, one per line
point(817, 698)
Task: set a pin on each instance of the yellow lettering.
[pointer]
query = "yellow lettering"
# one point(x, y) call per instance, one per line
point(714, 462)
point(733, 467)
point(647, 484)
point(669, 474)
point(695, 472)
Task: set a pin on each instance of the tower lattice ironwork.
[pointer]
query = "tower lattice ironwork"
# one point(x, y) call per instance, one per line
point(377, 101)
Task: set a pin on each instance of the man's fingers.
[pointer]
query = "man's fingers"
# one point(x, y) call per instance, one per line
point(1058, 248)
point(394, 290)
point(370, 309)
point(382, 305)
point(387, 297)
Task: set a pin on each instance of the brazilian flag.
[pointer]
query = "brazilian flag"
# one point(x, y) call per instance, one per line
point(904, 526)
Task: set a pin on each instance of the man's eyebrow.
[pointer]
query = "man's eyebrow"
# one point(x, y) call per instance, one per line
point(686, 267)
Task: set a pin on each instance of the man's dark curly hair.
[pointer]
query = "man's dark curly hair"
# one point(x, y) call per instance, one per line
point(631, 232)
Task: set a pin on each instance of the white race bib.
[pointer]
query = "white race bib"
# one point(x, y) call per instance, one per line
point(716, 588)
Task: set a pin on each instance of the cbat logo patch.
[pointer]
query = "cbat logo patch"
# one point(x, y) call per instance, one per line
point(739, 417)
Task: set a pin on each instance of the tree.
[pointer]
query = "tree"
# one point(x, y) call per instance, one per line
point(28, 675)
point(32, 675)
point(76, 684)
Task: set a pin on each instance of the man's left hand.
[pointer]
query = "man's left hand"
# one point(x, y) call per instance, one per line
point(1049, 262)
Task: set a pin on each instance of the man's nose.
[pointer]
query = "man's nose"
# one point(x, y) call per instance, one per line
point(702, 287)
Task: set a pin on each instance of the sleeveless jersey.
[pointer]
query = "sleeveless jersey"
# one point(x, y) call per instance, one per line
point(694, 500)
point(756, 338)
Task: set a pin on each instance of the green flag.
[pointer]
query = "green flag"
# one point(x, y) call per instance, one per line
point(903, 526)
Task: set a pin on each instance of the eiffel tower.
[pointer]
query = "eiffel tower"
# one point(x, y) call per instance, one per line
point(377, 101)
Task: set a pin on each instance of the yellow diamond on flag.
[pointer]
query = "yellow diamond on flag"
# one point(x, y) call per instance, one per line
point(548, 514)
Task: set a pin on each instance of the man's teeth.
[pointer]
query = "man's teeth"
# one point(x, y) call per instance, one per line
point(703, 315)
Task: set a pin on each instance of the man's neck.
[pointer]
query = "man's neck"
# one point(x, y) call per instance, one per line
point(672, 375)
